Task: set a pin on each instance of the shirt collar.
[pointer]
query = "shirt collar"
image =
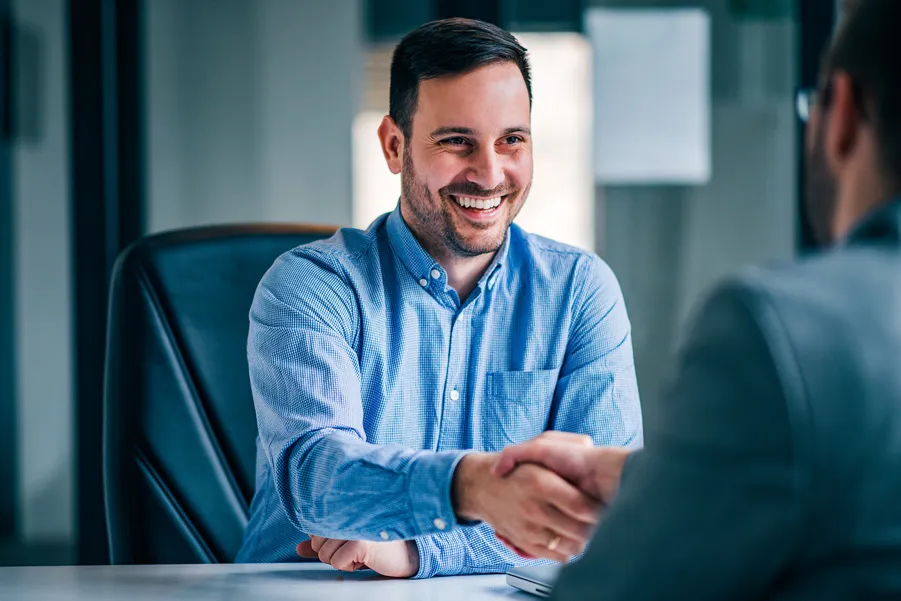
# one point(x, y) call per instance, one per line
point(421, 265)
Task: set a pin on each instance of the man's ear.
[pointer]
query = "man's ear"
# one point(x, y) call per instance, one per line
point(392, 140)
point(843, 121)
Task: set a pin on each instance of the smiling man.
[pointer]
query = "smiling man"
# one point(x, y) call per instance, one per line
point(387, 363)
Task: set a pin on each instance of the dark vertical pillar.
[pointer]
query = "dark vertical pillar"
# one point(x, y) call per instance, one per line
point(8, 446)
point(106, 49)
point(816, 20)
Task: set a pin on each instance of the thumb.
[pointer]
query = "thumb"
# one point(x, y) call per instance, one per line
point(305, 550)
point(505, 464)
point(528, 452)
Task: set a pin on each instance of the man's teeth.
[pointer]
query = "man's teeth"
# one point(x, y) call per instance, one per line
point(478, 203)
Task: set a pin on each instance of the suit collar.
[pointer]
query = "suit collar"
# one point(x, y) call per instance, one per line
point(883, 225)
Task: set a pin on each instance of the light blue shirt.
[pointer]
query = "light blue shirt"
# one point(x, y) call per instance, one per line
point(371, 381)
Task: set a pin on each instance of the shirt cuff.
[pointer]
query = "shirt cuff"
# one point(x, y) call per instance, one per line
point(440, 555)
point(431, 478)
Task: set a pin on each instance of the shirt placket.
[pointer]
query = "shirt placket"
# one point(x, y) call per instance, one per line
point(453, 410)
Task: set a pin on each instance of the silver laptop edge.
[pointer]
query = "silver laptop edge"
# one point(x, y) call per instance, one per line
point(535, 580)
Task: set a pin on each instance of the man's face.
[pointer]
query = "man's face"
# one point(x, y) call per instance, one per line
point(467, 167)
point(821, 194)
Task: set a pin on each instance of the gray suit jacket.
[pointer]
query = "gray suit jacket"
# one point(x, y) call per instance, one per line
point(772, 467)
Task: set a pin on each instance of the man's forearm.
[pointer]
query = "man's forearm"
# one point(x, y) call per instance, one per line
point(338, 486)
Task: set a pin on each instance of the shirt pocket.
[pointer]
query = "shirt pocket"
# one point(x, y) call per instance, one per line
point(517, 406)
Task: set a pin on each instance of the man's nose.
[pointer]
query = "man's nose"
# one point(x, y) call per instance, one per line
point(486, 170)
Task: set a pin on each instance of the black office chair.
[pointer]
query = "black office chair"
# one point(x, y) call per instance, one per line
point(179, 425)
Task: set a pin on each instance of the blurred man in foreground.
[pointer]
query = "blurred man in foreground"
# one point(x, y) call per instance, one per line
point(773, 468)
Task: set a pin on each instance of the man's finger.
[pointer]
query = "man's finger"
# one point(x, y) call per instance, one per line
point(566, 526)
point(535, 450)
point(568, 437)
point(544, 543)
point(346, 558)
point(305, 550)
point(329, 548)
point(316, 542)
point(569, 500)
point(551, 544)
point(513, 547)
point(527, 452)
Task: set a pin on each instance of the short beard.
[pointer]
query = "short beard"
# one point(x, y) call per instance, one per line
point(436, 218)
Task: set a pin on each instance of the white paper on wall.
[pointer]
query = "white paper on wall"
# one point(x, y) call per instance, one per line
point(651, 95)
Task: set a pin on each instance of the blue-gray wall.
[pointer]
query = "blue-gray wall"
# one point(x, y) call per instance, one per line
point(668, 244)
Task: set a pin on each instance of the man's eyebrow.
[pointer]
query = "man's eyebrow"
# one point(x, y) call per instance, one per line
point(466, 131)
point(443, 131)
point(521, 129)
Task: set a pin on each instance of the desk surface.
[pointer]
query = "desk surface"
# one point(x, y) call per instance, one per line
point(294, 582)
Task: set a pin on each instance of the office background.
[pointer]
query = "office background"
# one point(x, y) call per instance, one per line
point(121, 118)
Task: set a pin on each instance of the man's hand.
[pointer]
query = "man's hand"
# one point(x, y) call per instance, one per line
point(396, 559)
point(533, 510)
point(594, 470)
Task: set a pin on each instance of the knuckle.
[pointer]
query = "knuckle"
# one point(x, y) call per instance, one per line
point(541, 483)
point(541, 444)
point(536, 536)
point(575, 501)
point(532, 512)
point(529, 473)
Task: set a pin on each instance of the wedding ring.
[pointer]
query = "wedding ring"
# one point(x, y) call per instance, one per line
point(554, 543)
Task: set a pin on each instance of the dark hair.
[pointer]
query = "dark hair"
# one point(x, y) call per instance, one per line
point(447, 47)
point(865, 47)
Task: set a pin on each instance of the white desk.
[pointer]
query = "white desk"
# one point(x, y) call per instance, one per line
point(294, 582)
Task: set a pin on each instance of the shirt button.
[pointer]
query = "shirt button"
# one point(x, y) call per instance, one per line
point(439, 524)
point(423, 282)
point(454, 395)
point(436, 274)
point(384, 535)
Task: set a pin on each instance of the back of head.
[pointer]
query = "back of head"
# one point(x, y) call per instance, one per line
point(445, 48)
point(866, 48)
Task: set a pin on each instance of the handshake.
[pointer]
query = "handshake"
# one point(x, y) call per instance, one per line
point(543, 498)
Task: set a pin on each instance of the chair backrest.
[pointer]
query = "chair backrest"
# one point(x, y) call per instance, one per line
point(179, 424)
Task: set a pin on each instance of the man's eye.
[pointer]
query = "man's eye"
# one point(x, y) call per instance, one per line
point(511, 140)
point(458, 141)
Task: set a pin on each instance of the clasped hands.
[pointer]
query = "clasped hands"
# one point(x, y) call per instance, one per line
point(543, 498)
